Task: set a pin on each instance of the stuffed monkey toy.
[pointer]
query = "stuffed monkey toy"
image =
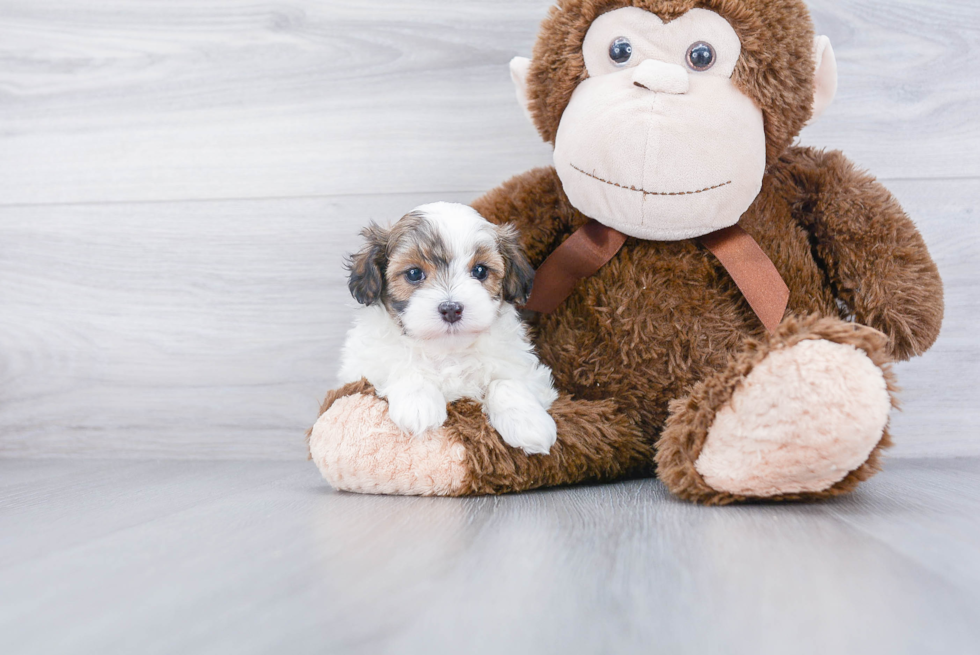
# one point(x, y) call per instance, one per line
point(718, 306)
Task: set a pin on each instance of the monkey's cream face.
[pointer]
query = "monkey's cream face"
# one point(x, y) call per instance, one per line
point(658, 142)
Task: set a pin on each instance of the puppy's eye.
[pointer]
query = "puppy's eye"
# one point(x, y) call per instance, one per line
point(415, 275)
point(620, 51)
point(480, 272)
point(701, 56)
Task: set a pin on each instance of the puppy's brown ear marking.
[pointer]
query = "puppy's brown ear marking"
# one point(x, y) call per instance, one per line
point(367, 266)
point(518, 272)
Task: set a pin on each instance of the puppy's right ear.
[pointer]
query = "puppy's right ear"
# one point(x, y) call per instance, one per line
point(367, 266)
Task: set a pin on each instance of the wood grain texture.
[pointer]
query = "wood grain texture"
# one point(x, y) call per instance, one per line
point(142, 315)
point(181, 99)
point(205, 329)
point(212, 329)
point(246, 557)
point(184, 99)
point(909, 91)
point(939, 409)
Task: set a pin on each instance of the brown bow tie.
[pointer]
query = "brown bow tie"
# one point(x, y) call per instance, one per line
point(592, 246)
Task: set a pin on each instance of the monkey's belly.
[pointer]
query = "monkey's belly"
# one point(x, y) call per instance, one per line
point(642, 333)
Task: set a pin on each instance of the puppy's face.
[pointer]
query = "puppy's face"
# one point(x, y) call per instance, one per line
point(442, 271)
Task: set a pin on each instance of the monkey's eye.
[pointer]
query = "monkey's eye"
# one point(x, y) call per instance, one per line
point(480, 272)
point(415, 275)
point(620, 51)
point(701, 56)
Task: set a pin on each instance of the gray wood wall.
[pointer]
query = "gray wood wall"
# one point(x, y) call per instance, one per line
point(179, 180)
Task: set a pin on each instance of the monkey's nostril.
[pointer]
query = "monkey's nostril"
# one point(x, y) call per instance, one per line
point(451, 311)
point(660, 77)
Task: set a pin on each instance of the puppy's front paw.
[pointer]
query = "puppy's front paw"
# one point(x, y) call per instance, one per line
point(416, 410)
point(520, 420)
point(528, 428)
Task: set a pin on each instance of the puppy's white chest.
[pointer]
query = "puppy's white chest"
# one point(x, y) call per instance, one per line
point(460, 375)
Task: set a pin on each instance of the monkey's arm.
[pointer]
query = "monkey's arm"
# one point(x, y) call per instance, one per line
point(874, 256)
point(536, 205)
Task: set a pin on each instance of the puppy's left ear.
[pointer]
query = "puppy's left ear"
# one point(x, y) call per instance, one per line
point(518, 272)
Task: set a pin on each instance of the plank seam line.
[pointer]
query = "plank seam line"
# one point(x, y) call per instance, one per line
point(177, 201)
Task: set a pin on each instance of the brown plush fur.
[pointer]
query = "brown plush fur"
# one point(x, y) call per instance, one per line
point(597, 442)
point(663, 319)
point(648, 349)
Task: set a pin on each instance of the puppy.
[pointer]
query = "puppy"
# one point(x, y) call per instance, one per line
point(439, 324)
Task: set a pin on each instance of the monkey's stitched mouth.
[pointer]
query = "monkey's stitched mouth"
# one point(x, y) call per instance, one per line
point(651, 193)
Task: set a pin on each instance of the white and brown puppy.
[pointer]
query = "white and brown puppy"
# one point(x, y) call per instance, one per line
point(439, 324)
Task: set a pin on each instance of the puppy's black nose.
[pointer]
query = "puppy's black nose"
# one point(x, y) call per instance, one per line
point(451, 311)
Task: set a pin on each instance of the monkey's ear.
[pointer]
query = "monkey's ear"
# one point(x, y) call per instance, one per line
point(518, 272)
point(824, 77)
point(367, 266)
point(519, 67)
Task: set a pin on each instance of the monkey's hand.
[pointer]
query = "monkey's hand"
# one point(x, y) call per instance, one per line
point(871, 251)
point(357, 447)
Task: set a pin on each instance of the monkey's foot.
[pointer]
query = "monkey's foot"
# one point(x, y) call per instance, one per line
point(802, 418)
point(358, 448)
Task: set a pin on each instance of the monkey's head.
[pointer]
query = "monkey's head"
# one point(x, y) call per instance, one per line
point(665, 114)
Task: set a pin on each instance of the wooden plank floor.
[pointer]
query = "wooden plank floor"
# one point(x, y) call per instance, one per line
point(150, 557)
